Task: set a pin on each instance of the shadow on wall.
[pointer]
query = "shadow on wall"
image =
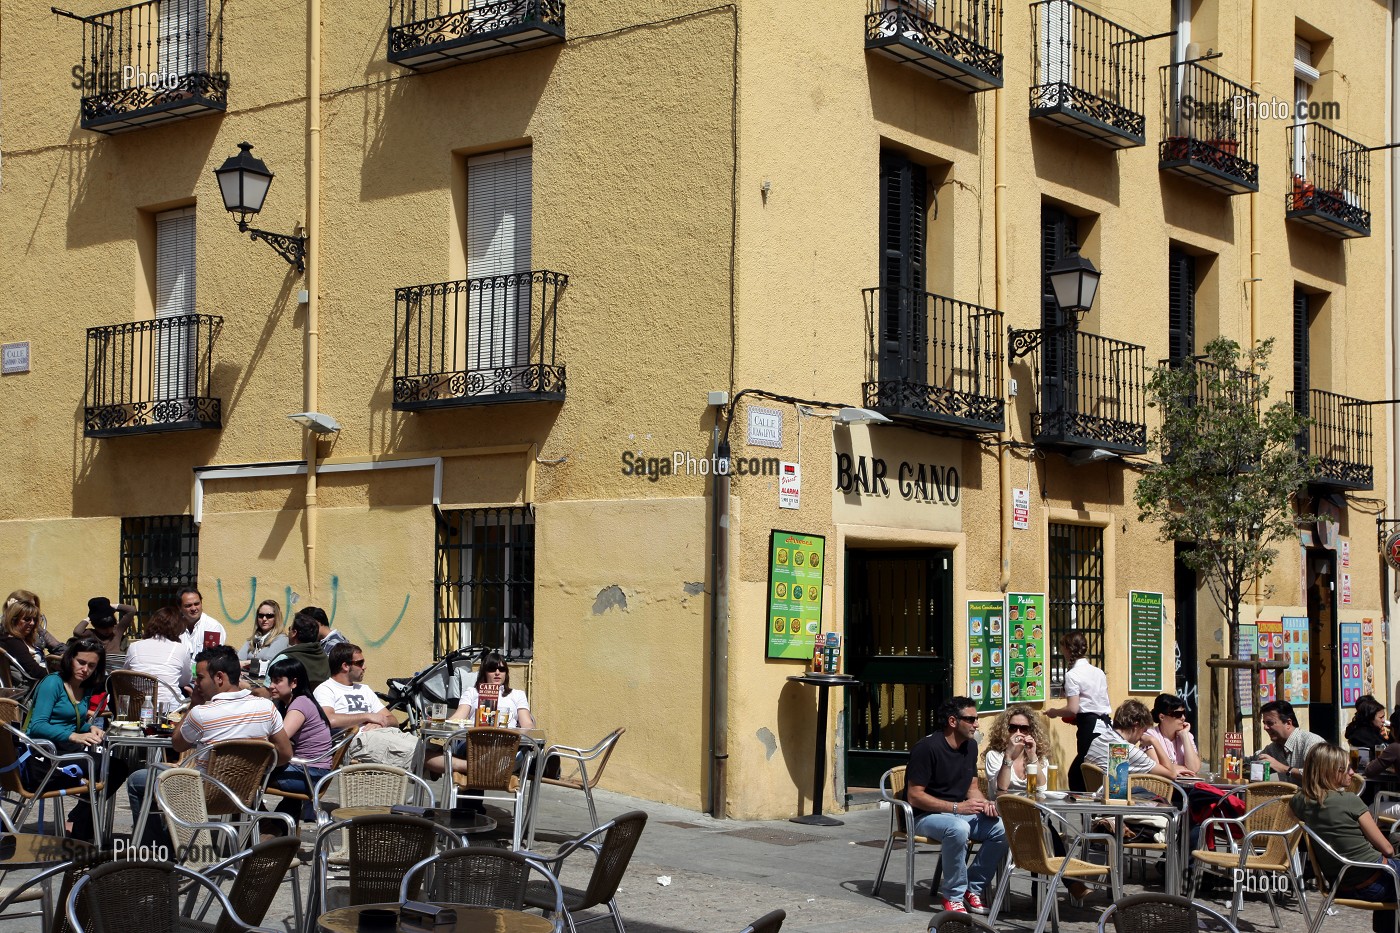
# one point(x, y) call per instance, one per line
point(925, 105)
point(797, 715)
point(241, 613)
point(124, 470)
point(1317, 254)
point(1067, 160)
point(1190, 206)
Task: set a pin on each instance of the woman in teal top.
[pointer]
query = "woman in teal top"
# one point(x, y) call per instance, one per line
point(62, 714)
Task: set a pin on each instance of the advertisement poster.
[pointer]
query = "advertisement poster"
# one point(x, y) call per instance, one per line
point(1145, 642)
point(790, 486)
point(1270, 642)
point(1021, 508)
point(1368, 657)
point(1025, 647)
point(1244, 681)
point(1349, 649)
point(796, 563)
point(1346, 589)
point(986, 661)
point(1295, 647)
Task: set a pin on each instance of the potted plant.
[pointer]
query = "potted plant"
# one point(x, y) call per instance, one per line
point(1303, 193)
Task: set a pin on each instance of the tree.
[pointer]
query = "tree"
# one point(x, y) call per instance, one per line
point(1230, 470)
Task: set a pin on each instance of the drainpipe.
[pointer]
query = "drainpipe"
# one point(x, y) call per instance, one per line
point(1392, 303)
point(1254, 195)
point(999, 222)
point(313, 271)
point(719, 627)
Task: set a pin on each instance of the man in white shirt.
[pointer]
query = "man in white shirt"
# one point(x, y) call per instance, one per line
point(348, 702)
point(197, 623)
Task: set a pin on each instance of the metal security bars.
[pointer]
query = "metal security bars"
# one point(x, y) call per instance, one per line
point(428, 34)
point(159, 556)
point(484, 584)
point(1339, 436)
point(151, 63)
point(1088, 74)
point(955, 40)
point(1076, 592)
point(1331, 181)
point(1210, 128)
point(1095, 396)
point(149, 376)
point(933, 359)
point(478, 341)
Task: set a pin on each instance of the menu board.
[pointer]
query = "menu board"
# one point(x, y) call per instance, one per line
point(1270, 642)
point(986, 654)
point(1026, 657)
point(1349, 643)
point(1368, 657)
point(1244, 680)
point(1296, 689)
point(1145, 642)
point(796, 563)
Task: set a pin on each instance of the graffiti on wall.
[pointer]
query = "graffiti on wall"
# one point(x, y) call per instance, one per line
point(355, 629)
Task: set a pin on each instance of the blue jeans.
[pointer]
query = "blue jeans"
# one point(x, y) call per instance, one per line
point(1381, 889)
point(954, 831)
point(290, 778)
point(155, 824)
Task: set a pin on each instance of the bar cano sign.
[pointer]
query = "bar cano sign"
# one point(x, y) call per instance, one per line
point(896, 478)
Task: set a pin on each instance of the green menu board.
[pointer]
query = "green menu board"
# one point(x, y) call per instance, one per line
point(796, 563)
point(986, 654)
point(1145, 622)
point(1026, 658)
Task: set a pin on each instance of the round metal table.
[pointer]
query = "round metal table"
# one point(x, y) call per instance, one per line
point(469, 920)
point(823, 683)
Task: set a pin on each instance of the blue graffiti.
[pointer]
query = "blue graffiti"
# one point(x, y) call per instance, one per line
point(290, 597)
point(252, 596)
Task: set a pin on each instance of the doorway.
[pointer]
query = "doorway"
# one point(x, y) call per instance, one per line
point(1187, 684)
point(899, 643)
point(1322, 624)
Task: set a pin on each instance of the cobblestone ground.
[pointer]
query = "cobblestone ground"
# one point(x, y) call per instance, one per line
point(693, 874)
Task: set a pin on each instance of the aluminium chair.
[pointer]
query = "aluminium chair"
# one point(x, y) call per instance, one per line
point(36, 888)
point(380, 850)
point(127, 895)
point(257, 875)
point(892, 784)
point(1170, 793)
point(490, 756)
point(182, 796)
point(611, 856)
point(1161, 913)
point(339, 747)
point(126, 687)
point(241, 766)
point(482, 877)
point(586, 771)
point(1268, 837)
point(1093, 777)
point(20, 753)
point(1330, 887)
point(369, 785)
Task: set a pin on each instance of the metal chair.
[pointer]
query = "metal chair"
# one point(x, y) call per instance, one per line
point(1028, 826)
point(1166, 790)
point(611, 857)
point(1269, 834)
point(130, 895)
point(1093, 777)
point(370, 785)
point(1330, 886)
point(380, 851)
point(770, 922)
point(482, 877)
point(183, 794)
point(581, 776)
point(1160, 913)
point(18, 751)
point(242, 766)
point(490, 756)
point(125, 688)
point(257, 875)
point(35, 888)
point(954, 921)
point(339, 747)
point(901, 822)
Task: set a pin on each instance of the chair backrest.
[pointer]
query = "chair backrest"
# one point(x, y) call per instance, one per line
point(341, 746)
point(371, 785)
point(77, 868)
point(479, 876)
point(242, 765)
point(1025, 833)
point(381, 850)
point(770, 922)
point(892, 787)
point(1093, 776)
point(1160, 913)
point(1155, 784)
point(1260, 791)
point(620, 839)
point(11, 671)
point(1355, 783)
point(125, 686)
point(1276, 815)
point(490, 758)
point(260, 875)
point(597, 756)
point(952, 921)
point(11, 710)
point(126, 895)
point(181, 793)
point(11, 782)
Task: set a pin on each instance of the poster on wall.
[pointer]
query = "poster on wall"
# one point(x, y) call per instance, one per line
point(1270, 642)
point(1026, 656)
point(1244, 680)
point(1145, 622)
point(1349, 651)
point(796, 563)
point(1368, 657)
point(986, 654)
point(1295, 648)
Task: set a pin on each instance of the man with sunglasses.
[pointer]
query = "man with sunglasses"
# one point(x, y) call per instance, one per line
point(347, 702)
point(941, 786)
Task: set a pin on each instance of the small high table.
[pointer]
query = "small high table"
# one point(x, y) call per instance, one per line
point(823, 683)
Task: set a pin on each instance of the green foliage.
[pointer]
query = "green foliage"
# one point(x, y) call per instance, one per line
point(1230, 468)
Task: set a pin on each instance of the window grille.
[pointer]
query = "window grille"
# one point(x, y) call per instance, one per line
point(1076, 592)
point(159, 556)
point(485, 580)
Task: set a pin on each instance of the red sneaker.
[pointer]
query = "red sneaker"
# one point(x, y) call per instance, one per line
point(955, 906)
point(974, 903)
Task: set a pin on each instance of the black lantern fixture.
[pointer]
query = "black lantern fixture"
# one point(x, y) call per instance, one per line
point(1075, 283)
point(243, 183)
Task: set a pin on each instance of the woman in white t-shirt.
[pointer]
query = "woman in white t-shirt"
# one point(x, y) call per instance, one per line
point(513, 703)
point(1018, 737)
point(1086, 699)
point(163, 655)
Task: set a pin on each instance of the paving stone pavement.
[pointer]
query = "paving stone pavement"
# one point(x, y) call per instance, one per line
point(721, 874)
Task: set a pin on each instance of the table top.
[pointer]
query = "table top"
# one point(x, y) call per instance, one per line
point(459, 821)
point(469, 920)
point(823, 680)
point(442, 730)
point(118, 737)
point(1139, 808)
point(31, 850)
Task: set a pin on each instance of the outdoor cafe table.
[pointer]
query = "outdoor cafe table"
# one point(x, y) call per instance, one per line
point(469, 920)
point(463, 823)
point(1176, 834)
point(154, 747)
point(440, 734)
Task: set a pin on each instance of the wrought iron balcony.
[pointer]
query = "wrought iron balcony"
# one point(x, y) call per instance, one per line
point(1210, 128)
point(1089, 74)
point(429, 34)
point(152, 63)
point(1339, 436)
point(1331, 181)
point(933, 360)
point(954, 40)
point(1092, 393)
point(1216, 386)
point(146, 377)
point(478, 341)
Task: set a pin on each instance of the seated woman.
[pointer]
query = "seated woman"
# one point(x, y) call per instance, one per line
point(1170, 742)
point(62, 714)
point(1018, 737)
point(309, 730)
point(1325, 806)
point(1387, 765)
point(19, 636)
point(268, 640)
point(1364, 730)
point(512, 708)
point(163, 655)
point(1131, 720)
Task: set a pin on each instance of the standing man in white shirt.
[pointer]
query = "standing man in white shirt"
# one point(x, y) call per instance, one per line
point(348, 702)
point(198, 624)
point(1086, 699)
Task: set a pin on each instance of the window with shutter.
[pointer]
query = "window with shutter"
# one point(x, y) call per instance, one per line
point(903, 244)
point(498, 254)
point(1304, 74)
point(1056, 53)
point(182, 42)
point(1302, 348)
point(174, 345)
point(1057, 230)
point(1181, 305)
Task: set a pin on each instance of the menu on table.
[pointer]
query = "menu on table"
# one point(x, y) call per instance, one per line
point(986, 654)
point(1026, 656)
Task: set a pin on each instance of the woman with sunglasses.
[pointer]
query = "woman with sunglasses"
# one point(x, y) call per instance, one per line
point(1170, 741)
point(1017, 738)
point(268, 640)
point(512, 702)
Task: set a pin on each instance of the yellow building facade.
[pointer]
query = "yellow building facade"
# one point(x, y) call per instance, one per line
point(557, 252)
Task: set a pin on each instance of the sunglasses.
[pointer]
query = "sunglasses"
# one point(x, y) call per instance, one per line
point(1013, 727)
point(359, 663)
point(968, 718)
point(1174, 713)
point(267, 615)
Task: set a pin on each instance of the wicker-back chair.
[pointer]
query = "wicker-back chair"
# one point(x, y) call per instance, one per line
point(241, 765)
point(892, 784)
point(950, 921)
point(1330, 886)
point(1027, 826)
point(1093, 777)
point(482, 877)
point(257, 876)
point(12, 711)
point(1160, 913)
point(490, 756)
point(1260, 791)
point(370, 785)
point(183, 795)
point(380, 852)
point(33, 887)
point(1268, 835)
point(619, 840)
point(129, 895)
point(1164, 789)
point(584, 772)
point(49, 783)
point(131, 688)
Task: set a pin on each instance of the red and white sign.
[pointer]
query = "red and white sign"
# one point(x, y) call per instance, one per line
point(1346, 589)
point(1020, 508)
point(1344, 553)
point(789, 485)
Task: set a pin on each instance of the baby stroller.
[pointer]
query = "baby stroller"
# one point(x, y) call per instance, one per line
point(443, 682)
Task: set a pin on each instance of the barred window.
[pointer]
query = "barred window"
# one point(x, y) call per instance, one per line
point(159, 556)
point(1076, 592)
point(485, 580)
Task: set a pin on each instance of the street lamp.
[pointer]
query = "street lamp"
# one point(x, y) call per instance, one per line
point(1075, 283)
point(243, 183)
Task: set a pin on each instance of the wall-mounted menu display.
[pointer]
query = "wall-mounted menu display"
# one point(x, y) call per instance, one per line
point(1027, 660)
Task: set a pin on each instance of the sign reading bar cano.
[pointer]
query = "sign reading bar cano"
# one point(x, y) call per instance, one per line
point(896, 478)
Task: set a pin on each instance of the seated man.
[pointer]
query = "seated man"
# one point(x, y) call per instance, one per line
point(1290, 745)
point(305, 638)
point(941, 786)
point(348, 702)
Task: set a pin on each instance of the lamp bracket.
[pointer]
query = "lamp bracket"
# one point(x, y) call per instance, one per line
point(1023, 342)
point(290, 248)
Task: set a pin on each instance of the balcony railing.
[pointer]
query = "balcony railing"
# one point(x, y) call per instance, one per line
point(150, 376)
point(1092, 393)
point(1088, 74)
point(1339, 436)
point(1331, 181)
point(152, 63)
point(428, 34)
point(933, 360)
point(1216, 386)
point(478, 341)
point(954, 40)
point(1210, 128)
